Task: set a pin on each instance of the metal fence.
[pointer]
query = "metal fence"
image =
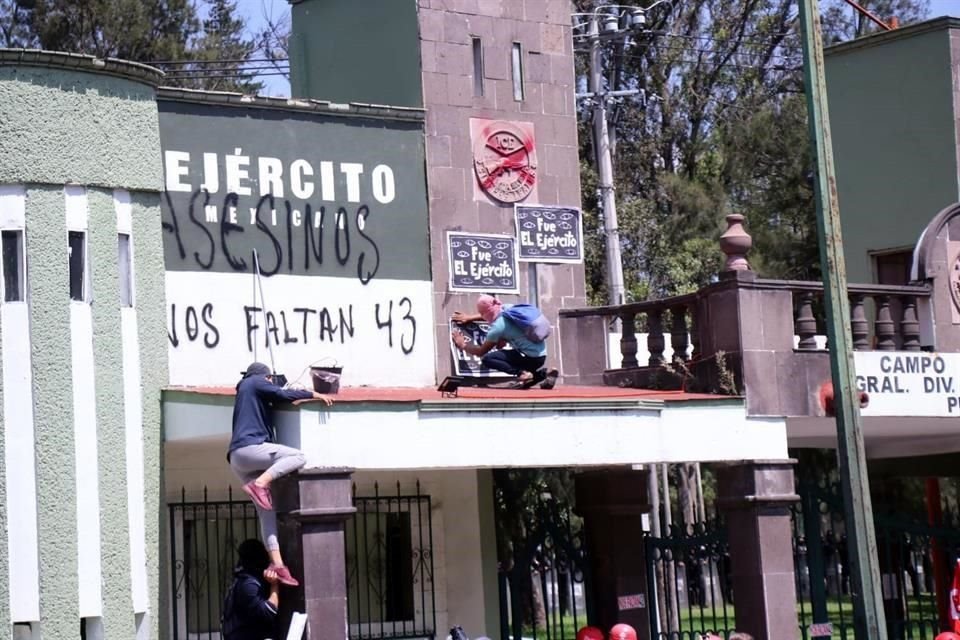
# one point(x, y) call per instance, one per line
point(688, 578)
point(907, 550)
point(389, 545)
point(542, 592)
point(390, 586)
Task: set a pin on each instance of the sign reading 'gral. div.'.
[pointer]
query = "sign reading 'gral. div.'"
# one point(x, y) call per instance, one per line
point(482, 262)
point(909, 384)
point(549, 234)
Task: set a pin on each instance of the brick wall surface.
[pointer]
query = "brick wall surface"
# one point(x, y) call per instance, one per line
point(542, 27)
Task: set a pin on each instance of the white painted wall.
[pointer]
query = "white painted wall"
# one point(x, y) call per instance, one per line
point(462, 434)
point(212, 328)
point(84, 430)
point(535, 437)
point(19, 455)
point(133, 424)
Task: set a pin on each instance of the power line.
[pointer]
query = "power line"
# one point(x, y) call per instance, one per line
point(218, 61)
point(235, 76)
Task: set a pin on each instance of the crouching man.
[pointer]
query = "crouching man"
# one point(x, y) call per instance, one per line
point(522, 331)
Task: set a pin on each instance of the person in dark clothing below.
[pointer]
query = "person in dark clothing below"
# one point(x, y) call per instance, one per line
point(525, 360)
point(250, 607)
point(256, 459)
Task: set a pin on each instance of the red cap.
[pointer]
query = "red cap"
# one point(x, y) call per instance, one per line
point(948, 635)
point(623, 632)
point(590, 633)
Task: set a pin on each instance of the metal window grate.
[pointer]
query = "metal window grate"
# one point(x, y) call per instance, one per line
point(389, 545)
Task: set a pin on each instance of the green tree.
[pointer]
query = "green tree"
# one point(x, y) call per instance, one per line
point(139, 30)
point(719, 126)
point(221, 53)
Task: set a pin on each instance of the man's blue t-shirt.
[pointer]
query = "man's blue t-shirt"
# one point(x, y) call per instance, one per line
point(503, 329)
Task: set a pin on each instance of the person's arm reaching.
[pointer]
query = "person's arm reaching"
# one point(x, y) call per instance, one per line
point(274, 581)
point(463, 318)
point(248, 598)
point(270, 391)
point(479, 351)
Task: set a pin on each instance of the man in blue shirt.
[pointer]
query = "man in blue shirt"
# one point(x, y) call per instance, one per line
point(526, 358)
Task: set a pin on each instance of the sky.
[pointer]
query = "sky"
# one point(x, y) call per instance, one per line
point(256, 11)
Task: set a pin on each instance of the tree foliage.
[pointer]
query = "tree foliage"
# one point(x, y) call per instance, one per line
point(166, 33)
point(220, 52)
point(718, 126)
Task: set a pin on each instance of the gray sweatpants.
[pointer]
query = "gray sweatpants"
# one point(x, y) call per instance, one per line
point(251, 461)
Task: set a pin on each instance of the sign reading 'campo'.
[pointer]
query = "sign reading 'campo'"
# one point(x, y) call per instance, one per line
point(909, 384)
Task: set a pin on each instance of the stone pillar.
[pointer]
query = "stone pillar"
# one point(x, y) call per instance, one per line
point(583, 356)
point(612, 503)
point(312, 507)
point(755, 497)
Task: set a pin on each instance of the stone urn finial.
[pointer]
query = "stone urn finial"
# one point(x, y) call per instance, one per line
point(735, 243)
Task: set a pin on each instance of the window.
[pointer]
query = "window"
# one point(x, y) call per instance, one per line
point(13, 266)
point(516, 64)
point(893, 267)
point(77, 246)
point(477, 67)
point(126, 269)
point(390, 568)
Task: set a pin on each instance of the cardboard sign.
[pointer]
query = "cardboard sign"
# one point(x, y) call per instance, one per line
point(549, 234)
point(482, 262)
point(465, 364)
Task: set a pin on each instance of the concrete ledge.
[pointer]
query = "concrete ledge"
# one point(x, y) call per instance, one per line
point(78, 62)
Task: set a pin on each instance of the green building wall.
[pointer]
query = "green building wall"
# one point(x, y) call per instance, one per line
point(340, 54)
point(892, 118)
point(69, 119)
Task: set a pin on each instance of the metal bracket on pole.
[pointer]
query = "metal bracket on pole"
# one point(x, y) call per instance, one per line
point(865, 576)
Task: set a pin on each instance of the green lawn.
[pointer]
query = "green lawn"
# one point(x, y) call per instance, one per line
point(696, 620)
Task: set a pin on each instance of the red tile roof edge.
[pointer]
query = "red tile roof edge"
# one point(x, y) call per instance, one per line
point(420, 394)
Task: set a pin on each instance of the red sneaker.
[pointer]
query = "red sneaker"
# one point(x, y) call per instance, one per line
point(259, 495)
point(283, 575)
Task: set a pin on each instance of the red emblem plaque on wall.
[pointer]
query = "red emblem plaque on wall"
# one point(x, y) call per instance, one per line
point(504, 159)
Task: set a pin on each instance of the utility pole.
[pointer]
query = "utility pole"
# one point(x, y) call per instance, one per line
point(601, 144)
point(865, 576)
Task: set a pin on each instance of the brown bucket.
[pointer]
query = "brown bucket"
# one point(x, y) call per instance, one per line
point(326, 379)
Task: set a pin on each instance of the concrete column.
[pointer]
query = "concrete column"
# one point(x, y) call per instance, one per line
point(312, 508)
point(612, 503)
point(755, 497)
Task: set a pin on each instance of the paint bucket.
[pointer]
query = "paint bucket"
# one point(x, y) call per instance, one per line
point(326, 379)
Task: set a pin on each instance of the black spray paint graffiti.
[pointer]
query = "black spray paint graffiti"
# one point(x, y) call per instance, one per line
point(279, 247)
point(191, 320)
point(299, 325)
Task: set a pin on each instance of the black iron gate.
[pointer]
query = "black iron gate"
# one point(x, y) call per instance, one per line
point(542, 588)
point(389, 545)
point(688, 579)
point(906, 547)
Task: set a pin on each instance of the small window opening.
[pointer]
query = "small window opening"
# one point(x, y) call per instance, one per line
point(516, 64)
point(77, 244)
point(13, 265)
point(124, 259)
point(477, 67)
